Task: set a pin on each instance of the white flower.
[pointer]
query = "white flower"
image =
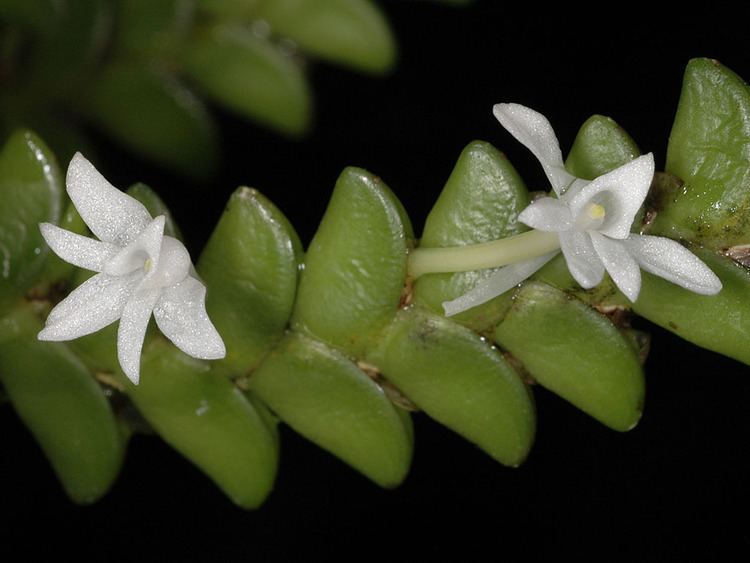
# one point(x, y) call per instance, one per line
point(593, 221)
point(140, 271)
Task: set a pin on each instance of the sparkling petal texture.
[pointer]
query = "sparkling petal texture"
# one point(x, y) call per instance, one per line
point(132, 331)
point(110, 214)
point(181, 316)
point(583, 262)
point(622, 267)
point(84, 252)
point(620, 191)
point(547, 214)
point(534, 131)
point(93, 305)
point(142, 271)
point(498, 283)
point(670, 260)
point(145, 247)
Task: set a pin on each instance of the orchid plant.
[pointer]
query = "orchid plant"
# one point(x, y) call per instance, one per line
point(140, 270)
point(588, 221)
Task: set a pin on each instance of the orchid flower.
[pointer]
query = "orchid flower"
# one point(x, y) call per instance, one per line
point(140, 270)
point(589, 221)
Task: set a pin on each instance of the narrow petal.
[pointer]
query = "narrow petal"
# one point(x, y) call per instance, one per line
point(547, 214)
point(621, 266)
point(498, 283)
point(93, 305)
point(181, 316)
point(132, 331)
point(621, 193)
point(534, 131)
point(110, 214)
point(84, 252)
point(583, 262)
point(146, 247)
point(670, 260)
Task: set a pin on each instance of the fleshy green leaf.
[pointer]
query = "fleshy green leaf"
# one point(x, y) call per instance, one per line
point(350, 32)
point(250, 76)
point(460, 381)
point(600, 146)
point(31, 193)
point(151, 112)
point(250, 266)
point(208, 420)
point(576, 352)
point(329, 400)
point(708, 152)
point(63, 406)
point(355, 266)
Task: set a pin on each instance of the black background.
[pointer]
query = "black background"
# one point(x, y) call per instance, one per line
point(677, 485)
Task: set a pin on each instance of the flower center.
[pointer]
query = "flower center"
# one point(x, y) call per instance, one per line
point(147, 264)
point(596, 211)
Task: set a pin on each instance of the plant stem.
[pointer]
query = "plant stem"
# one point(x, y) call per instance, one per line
point(483, 255)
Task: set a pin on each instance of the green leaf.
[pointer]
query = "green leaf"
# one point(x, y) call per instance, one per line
point(480, 202)
point(717, 322)
point(576, 352)
point(600, 146)
point(708, 151)
point(461, 381)
point(355, 267)
point(250, 267)
point(152, 113)
point(30, 193)
point(250, 76)
point(208, 420)
point(330, 401)
point(152, 30)
point(63, 407)
point(351, 32)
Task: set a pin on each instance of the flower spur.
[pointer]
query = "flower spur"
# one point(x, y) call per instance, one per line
point(140, 270)
point(589, 221)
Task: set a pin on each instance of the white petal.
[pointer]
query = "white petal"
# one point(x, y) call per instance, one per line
point(132, 331)
point(174, 264)
point(670, 260)
point(181, 316)
point(147, 246)
point(534, 131)
point(620, 191)
point(621, 266)
point(583, 261)
point(93, 305)
point(84, 252)
point(547, 214)
point(112, 215)
point(498, 283)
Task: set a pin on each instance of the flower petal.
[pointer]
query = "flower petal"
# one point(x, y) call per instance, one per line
point(84, 252)
point(132, 331)
point(621, 192)
point(621, 266)
point(181, 316)
point(583, 262)
point(147, 246)
point(498, 283)
point(93, 305)
point(534, 131)
point(547, 214)
point(110, 214)
point(670, 260)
